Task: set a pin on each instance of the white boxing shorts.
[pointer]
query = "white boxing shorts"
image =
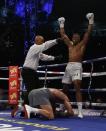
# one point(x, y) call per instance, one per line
point(73, 72)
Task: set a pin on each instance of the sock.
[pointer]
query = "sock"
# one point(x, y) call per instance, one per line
point(35, 110)
point(62, 108)
point(79, 104)
point(20, 107)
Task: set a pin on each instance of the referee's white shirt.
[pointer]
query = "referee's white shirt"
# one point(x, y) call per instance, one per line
point(35, 54)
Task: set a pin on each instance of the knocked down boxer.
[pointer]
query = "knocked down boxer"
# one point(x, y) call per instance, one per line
point(41, 100)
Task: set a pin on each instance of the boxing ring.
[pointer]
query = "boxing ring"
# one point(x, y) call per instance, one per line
point(94, 111)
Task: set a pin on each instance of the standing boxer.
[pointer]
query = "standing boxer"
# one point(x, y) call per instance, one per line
point(76, 47)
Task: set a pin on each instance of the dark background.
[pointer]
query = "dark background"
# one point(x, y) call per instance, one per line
point(14, 30)
point(15, 33)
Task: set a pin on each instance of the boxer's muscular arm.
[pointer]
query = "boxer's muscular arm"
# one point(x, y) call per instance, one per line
point(66, 39)
point(59, 94)
point(90, 17)
point(87, 35)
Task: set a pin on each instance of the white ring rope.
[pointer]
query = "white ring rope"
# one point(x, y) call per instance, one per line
point(73, 103)
point(85, 90)
point(51, 72)
point(60, 77)
point(84, 74)
point(91, 90)
point(92, 104)
point(86, 61)
point(63, 64)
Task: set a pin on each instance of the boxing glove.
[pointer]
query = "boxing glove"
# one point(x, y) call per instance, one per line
point(61, 21)
point(90, 17)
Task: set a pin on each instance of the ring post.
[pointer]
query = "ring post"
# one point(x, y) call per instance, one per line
point(13, 85)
